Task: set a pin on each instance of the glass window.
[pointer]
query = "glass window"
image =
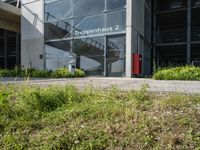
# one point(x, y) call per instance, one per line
point(88, 7)
point(57, 54)
point(2, 62)
point(2, 47)
point(196, 3)
point(115, 63)
point(57, 9)
point(89, 54)
point(115, 67)
point(58, 29)
point(11, 45)
point(11, 62)
point(2, 33)
point(91, 65)
point(116, 21)
point(89, 25)
point(115, 4)
point(89, 46)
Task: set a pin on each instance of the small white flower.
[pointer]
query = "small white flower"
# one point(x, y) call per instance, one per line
point(76, 142)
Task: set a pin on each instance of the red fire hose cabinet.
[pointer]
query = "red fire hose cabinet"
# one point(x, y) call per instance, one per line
point(136, 64)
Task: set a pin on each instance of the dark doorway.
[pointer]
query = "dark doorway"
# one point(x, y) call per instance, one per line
point(9, 49)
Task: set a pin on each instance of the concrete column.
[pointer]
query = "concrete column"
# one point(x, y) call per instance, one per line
point(189, 32)
point(32, 34)
point(129, 32)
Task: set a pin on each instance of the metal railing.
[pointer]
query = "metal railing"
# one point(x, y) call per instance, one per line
point(90, 41)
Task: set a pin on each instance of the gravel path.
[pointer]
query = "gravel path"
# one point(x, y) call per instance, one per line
point(188, 87)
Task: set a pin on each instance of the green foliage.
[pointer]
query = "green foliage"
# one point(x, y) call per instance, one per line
point(79, 73)
point(178, 73)
point(66, 118)
point(33, 73)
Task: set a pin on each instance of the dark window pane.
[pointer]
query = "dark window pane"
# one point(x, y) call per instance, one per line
point(1, 33)
point(10, 33)
point(88, 7)
point(195, 2)
point(2, 62)
point(115, 4)
point(11, 45)
point(2, 47)
point(11, 62)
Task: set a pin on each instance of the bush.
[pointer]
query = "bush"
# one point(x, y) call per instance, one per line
point(178, 73)
point(33, 73)
point(61, 73)
point(79, 73)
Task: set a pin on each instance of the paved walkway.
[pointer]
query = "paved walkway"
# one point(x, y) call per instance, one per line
point(188, 87)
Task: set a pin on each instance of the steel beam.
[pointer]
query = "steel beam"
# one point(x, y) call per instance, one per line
point(189, 32)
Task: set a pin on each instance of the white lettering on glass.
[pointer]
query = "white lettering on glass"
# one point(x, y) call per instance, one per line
point(96, 31)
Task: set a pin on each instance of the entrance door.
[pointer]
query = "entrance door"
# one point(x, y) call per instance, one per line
point(115, 56)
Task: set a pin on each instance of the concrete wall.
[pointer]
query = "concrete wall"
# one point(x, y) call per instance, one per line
point(9, 17)
point(32, 34)
point(135, 35)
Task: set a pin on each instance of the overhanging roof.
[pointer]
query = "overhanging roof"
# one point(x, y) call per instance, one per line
point(10, 17)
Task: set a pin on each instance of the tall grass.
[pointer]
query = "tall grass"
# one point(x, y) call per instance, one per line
point(66, 118)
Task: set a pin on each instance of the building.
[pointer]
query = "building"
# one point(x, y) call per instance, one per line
point(102, 36)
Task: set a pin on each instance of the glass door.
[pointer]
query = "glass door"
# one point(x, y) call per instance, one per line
point(115, 56)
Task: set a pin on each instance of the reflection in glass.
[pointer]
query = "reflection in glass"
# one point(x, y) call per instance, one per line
point(58, 29)
point(89, 25)
point(88, 7)
point(115, 67)
point(73, 19)
point(91, 65)
point(61, 9)
point(115, 64)
point(57, 54)
point(89, 46)
point(115, 4)
point(116, 20)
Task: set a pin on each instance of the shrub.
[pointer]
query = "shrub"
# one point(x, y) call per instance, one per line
point(61, 73)
point(178, 73)
point(34, 73)
point(79, 73)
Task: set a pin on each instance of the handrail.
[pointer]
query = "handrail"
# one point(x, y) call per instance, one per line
point(112, 45)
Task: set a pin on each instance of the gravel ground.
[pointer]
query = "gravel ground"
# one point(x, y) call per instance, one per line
point(188, 87)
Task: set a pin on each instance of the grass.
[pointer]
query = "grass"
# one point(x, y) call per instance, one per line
point(66, 118)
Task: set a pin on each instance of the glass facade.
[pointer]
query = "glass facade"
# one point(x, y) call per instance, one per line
point(93, 31)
